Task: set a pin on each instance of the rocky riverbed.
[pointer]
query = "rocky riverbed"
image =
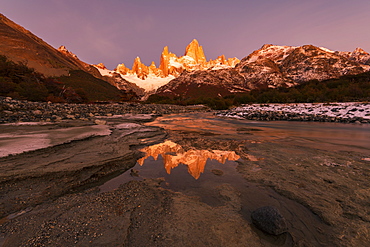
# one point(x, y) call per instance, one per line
point(25, 111)
point(51, 196)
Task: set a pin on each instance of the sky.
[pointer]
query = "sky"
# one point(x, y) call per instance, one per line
point(117, 31)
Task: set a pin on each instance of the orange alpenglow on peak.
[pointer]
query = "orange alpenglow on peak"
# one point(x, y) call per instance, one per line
point(171, 65)
point(140, 69)
point(100, 66)
point(195, 51)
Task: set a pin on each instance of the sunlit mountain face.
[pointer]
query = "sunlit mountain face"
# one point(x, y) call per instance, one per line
point(173, 155)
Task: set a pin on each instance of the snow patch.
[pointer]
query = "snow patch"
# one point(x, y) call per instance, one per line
point(151, 83)
point(174, 63)
point(221, 66)
point(326, 49)
point(340, 110)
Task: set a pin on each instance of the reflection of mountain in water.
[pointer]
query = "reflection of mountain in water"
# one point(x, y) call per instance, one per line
point(173, 155)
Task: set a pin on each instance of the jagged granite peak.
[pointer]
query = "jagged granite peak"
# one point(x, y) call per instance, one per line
point(140, 69)
point(171, 66)
point(153, 70)
point(100, 66)
point(195, 51)
point(122, 69)
point(166, 64)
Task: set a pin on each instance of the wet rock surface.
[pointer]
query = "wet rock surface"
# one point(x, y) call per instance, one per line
point(31, 178)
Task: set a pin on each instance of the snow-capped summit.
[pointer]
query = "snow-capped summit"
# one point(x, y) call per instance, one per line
point(274, 52)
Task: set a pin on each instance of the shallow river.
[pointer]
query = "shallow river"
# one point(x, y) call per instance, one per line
point(196, 171)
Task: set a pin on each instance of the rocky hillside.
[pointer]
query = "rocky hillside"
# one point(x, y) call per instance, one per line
point(269, 67)
point(20, 46)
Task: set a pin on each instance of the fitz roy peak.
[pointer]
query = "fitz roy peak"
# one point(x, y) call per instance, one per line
point(170, 64)
point(149, 78)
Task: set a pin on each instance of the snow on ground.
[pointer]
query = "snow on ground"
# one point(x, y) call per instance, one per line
point(221, 66)
point(326, 49)
point(151, 83)
point(342, 110)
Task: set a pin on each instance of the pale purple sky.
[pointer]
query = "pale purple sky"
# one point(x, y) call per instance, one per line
point(116, 31)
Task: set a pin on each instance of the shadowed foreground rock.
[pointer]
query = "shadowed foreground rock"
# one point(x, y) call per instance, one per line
point(269, 220)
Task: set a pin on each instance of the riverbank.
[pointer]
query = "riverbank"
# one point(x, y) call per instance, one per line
point(316, 112)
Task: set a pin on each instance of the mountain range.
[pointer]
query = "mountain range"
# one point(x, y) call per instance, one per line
point(150, 78)
point(269, 67)
point(187, 76)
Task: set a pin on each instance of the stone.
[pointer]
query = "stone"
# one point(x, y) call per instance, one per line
point(100, 122)
point(269, 220)
point(134, 173)
point(37, 112)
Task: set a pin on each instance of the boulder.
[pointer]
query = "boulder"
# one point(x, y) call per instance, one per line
point(269, 220)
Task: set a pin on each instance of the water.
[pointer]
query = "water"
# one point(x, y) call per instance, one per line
point(332, 136)
point(201, 172)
